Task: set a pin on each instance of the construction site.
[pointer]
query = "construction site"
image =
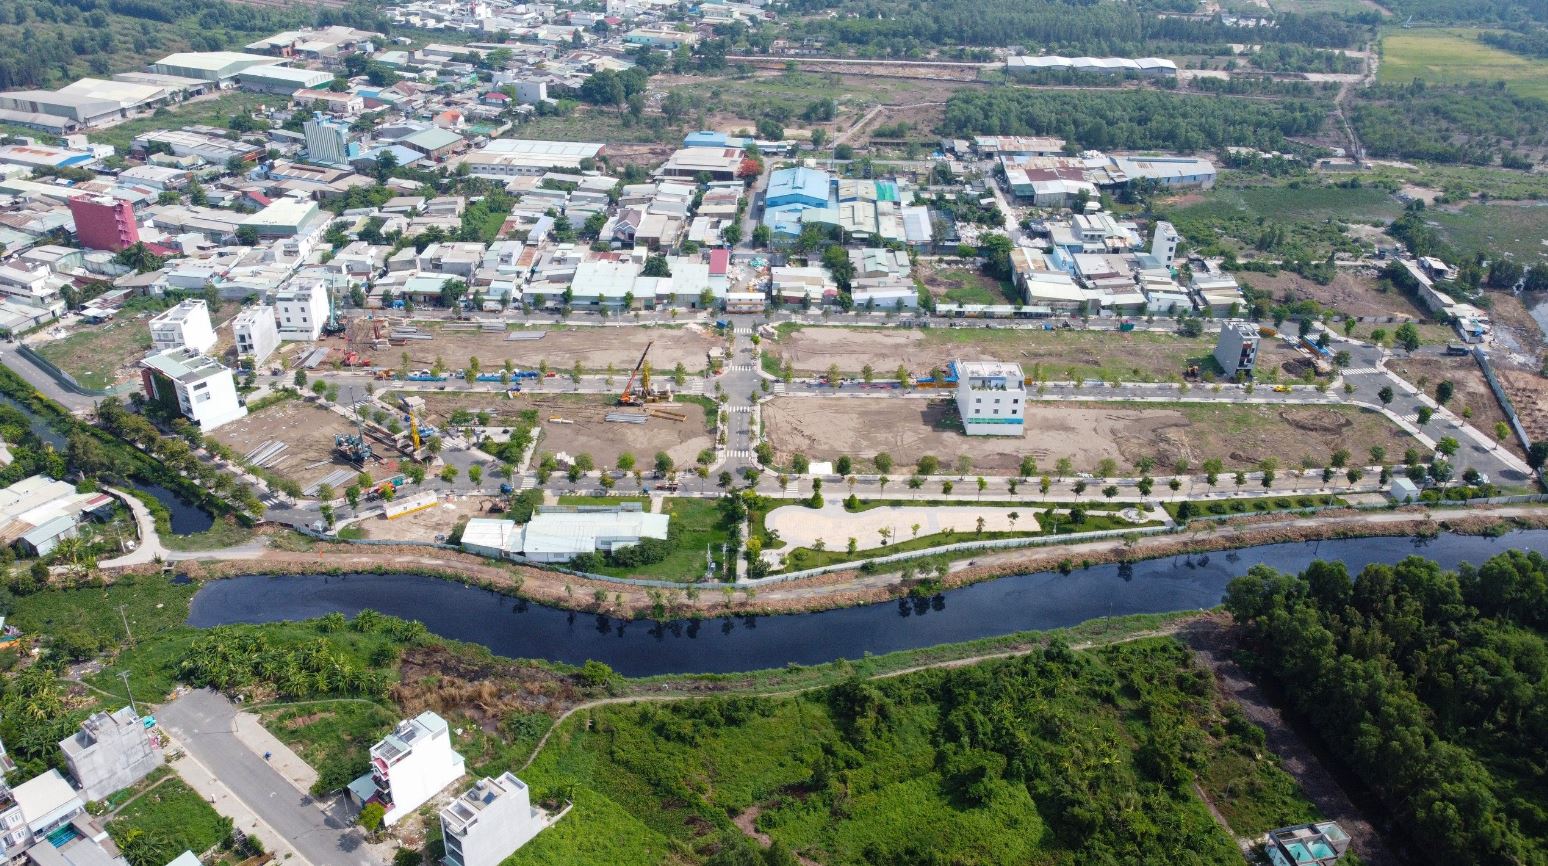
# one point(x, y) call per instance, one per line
point(296, 440)
point(597, 349)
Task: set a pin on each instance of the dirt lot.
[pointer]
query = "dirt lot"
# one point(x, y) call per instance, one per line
point(427, 524)
point(1529, 394)
point(1239, 435)
point(595, 348)
point(1348, 293)
point(308, 432)
point(101, 356)
point(1472, 391)
point(1134, 357)
point(589, 434)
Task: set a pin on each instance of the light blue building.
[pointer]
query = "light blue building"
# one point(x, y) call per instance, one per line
point(804, 187)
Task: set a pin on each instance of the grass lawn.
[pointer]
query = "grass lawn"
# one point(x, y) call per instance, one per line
point(95, 356)
point(973, 288)
point(335, 737)
point(174, 816)
point(1233, 218)
point(1496, 228)
point(1140, 356)
point(696, 524)
point(225, 533)
point(1247, 506)
point(979, 765)
point(1455, 56)
point(604, 500)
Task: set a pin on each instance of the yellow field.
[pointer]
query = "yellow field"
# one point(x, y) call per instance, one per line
point(1455, 56)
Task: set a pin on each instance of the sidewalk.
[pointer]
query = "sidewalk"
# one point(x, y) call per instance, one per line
point(226, 804)
point(252, 734)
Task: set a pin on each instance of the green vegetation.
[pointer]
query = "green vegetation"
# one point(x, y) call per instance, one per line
point(1471, 123)
point(334, 737)
point(695, 525)
point(968, 287)
point(94, 356)
point(1456, 56)
point(1024, 761)
point(165, 820)
point(1258, 505)
point(1132, 119)
point(1298, 222)
point(1493, 228)
point(226, 532)
point(1429, 685)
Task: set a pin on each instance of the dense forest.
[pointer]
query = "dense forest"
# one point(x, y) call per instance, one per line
point(1136, 120)
point(1471, 11)
point(1472, 123)
point(1052, 26)
point(51, 42)
point(1532, 42)
point(1431, 685)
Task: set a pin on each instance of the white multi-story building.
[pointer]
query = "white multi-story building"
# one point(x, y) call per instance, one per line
point(110, 753)
point(1164, 241)
point(31, 287)
point(992, 398)
point(1237, 349)
point(412, 764)
point(489, 822)
point(301, 309)
point(257, 334)
point(327, 140)
point(187, 324)
point(197, 386)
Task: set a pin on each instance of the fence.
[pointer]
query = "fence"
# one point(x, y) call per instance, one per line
point(1502, 397)
point(65, 380)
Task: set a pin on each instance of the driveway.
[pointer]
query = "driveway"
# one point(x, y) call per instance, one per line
point(204, 723)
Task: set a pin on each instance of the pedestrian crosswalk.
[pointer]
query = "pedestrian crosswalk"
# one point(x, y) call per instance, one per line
point(746, 332)
point(740, 410)
point(1360, 371)
point(740, 367)
point(695, 386)
point(740, 454)
point(780, 388)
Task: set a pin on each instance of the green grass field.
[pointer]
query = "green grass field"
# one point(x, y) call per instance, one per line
point(1234, 218)
point(167, 819)
point(1455, 56)
point(1497, 228)
point(95, 356)
point(696, 523)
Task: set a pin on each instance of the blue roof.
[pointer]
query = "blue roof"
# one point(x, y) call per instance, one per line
point(705, 138)
point(804, 185)
point(405, 155)
point(784, 220)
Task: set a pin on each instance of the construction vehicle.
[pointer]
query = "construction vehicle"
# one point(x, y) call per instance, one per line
point(353, 447)
point(333, 327)
point(1281, 389)
point(627, 397)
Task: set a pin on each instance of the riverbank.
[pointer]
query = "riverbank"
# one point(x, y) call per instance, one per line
point(853, 587)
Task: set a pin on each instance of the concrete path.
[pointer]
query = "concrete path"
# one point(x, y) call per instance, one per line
point(150, 543)
point(321, 833)
point(252, 733)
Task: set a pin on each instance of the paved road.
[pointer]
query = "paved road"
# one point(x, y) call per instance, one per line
point(204, 722)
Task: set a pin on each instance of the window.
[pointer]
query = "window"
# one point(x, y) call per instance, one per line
point(978, 399)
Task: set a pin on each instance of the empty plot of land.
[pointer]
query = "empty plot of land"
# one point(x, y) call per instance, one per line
point(101, 356)
point(1348, 293)
point(1472, 399)
point(1240, 435)
point(1528, 393)
point(594, 348)
point(1133, 357)
point(307, 432)
point(800, 526)
point(582, 430)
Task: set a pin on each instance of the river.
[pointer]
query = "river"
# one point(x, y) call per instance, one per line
point(185, 516)
point(1045, 600)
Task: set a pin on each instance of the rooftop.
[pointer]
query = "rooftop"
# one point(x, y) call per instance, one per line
point(184, 365)
point(464, 811)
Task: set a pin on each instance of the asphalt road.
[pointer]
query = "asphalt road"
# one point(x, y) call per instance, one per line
point(204, 722)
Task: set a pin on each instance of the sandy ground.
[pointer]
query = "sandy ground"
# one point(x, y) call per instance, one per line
point(605, 440)
point(1086, 433)
point(1528, 392)
point(1348, 293)
point(305, 428)
point(595, 348)
point(800, 526)
point(1472, 391)
point(429, 523)
point(1131, 357)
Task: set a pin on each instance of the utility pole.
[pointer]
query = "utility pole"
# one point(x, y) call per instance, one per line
point(125, 617)
point(124, 675)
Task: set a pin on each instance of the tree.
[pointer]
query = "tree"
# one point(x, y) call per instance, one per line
point(1408, 336)
point(1423, 415)
point(1385, 395)
point(656, 266)
point(1443, 391)
point(247, 236)
point(1110, 491)
point(594, 674)
point(372, 816)
point(475, 474)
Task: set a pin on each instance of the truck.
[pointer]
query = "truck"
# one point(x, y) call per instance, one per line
point(1455, 349)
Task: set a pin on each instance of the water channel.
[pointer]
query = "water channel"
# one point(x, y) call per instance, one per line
point(519, 629)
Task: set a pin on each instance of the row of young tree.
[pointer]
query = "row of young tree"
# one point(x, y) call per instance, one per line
point(1431, 685)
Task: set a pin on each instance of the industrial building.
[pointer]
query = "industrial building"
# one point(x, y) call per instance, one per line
point(1237, 349)
point(557, 534)
point(301, 310)
point(327, 141)
point(110, 753)
point(195, 386)
point(281, 79)
point(489, 822)
point(991, 397)
point(185, 325)
point(38, 512)
point(104, 223)
point(694, 162)
point(517, 157)
point(215, 66)
point(257, 334)
point(285, 218)
point(1144, 67)
point(207, 143)
point(408, 767)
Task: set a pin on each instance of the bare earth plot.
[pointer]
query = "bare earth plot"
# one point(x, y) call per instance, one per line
point(306, 430)
point(800, 526)
point(588, 433)
point(101, 356)
point(1133, 357)
point(595, 348)
point(1239, 435)
point(1348, 293)
point(1528, 392)
point(1472, 391)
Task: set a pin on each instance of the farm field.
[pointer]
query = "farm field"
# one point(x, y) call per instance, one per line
point(102, 356)
point(1455, 56)
point(1239, 435)
point(306, 429)
point(594, 348)
point(1136, 357)
point(697, 776)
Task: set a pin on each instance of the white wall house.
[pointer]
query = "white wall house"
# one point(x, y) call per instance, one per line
point(256, 332)
point(197, 386)
point(301, 309)
point(992, 398)
point(185, 325)
point(489, 822)
point(412, 764)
